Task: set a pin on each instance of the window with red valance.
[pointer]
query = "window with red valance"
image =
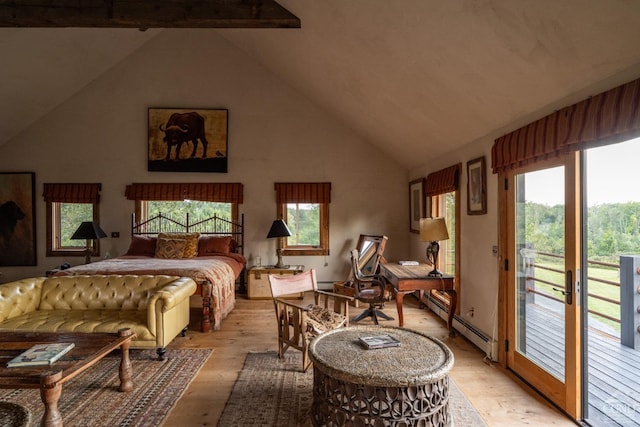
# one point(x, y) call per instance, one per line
point(304, 206)
point(68, 205)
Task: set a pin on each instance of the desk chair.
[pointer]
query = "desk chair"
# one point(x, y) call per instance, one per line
point(370, 289)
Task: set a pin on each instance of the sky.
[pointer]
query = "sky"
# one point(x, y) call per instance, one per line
point(613, 176)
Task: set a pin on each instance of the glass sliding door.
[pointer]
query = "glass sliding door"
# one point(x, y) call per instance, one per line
point(543, 271)
point(613, 229)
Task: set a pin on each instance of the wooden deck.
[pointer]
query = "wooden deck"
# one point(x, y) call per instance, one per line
point(613, 369)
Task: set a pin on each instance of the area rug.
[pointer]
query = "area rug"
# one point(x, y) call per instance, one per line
point(93, 399)
point(273, 392)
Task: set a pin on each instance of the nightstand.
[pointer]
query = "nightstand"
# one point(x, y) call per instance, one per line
point(258, 282)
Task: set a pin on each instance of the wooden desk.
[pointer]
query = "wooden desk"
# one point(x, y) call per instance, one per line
point(410, 278)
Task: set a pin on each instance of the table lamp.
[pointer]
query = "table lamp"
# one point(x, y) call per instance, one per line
point(433, 230)
point(279, 229)
point(89, 231)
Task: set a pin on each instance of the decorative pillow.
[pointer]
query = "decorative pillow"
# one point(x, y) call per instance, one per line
point(214, 245)
point(170, 248)
point(191, 239)
point(142, 246)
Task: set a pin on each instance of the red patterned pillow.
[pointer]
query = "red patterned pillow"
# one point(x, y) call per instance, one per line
point(142, 246)
point(214, 245)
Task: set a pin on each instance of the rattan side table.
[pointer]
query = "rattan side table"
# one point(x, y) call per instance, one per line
point(406, 385)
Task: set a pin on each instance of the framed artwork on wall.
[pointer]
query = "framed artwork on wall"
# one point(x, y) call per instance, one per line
point(476, 187)
point(417, 204)
point(17, 219)
point(187, 140)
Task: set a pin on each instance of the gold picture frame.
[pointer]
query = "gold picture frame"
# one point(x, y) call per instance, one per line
point(476, 187)
point(187, 140)
point(417, 204)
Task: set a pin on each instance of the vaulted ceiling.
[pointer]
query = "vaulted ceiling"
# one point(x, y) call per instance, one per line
point(416, 78)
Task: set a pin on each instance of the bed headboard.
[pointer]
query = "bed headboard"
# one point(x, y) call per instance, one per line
point(214, 225)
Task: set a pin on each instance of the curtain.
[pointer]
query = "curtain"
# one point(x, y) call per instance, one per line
point(607, 118)
point(443, 181)
point(304, 192)
point(208, 192)
point(72, 193)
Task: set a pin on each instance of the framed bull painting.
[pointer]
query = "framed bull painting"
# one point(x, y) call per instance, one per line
point(188, 140)
point(17, 219)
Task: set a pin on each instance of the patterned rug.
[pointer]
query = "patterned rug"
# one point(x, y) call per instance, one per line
point(273, 392)
point(93, 399)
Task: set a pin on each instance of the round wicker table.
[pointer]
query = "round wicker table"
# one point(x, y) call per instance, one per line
point(407, 385)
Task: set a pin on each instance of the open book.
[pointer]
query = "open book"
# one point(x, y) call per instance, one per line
point(379, 341)
point(40, 355)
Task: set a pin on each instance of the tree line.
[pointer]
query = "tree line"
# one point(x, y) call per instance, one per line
point(613, 229)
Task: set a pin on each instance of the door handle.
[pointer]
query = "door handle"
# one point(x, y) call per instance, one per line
point(568, 294)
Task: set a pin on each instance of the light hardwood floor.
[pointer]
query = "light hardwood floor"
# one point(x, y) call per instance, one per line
point(501, 398)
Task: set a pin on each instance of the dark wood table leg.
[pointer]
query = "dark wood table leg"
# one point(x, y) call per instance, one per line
point(453, 297)
point(206, 289)
point(50, 391)
point(399, 298)
point(126, 372)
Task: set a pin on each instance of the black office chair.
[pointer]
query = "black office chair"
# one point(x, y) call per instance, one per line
point(370, 289)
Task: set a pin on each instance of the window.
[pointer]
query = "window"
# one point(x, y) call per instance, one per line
point(197, 209)
point(68, 205)
point(444, 205)
point(444, 201)
point(305, 209)
point(176, 200)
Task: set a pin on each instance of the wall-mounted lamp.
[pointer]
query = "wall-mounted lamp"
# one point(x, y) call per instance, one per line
point(88, 231)
point(279, 230)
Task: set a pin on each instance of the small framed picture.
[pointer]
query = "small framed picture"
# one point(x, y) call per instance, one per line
point(417, 204)
point(476, 187)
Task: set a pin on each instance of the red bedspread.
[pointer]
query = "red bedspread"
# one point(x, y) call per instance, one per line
point(220, 271)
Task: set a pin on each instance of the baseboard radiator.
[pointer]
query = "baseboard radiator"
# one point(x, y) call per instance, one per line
point(479, 338)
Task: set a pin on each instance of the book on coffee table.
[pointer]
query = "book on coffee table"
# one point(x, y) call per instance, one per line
point(40, 355)
point(379, 341)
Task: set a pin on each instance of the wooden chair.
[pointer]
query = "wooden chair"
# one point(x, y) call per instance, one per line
point(370, 289)
point(299, 323)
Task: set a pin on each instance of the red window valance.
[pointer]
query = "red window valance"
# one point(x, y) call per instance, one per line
point(443, 181)
point(610, 117)
point(72, 193)
point(208, 192)
point(303, 192)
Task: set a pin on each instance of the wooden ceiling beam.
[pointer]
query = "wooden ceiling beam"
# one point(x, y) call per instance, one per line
point(145, 14)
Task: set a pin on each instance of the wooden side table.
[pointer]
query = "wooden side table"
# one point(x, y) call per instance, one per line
point(404, 385)
point(258, 282)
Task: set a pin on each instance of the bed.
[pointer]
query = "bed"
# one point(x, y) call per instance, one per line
point(162, 245)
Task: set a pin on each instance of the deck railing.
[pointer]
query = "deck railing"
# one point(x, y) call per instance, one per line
point(544, 277)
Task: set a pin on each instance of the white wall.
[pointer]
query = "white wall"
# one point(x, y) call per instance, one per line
point(99, 135)
point(478, 235)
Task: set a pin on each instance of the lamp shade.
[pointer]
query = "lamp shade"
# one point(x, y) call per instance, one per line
point(433, 230)
point(279, 229)
point(89, 230)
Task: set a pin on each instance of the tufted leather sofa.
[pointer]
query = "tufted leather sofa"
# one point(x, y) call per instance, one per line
point(156, 308)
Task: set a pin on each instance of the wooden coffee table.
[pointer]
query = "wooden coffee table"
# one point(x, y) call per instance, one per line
point(89, 349)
